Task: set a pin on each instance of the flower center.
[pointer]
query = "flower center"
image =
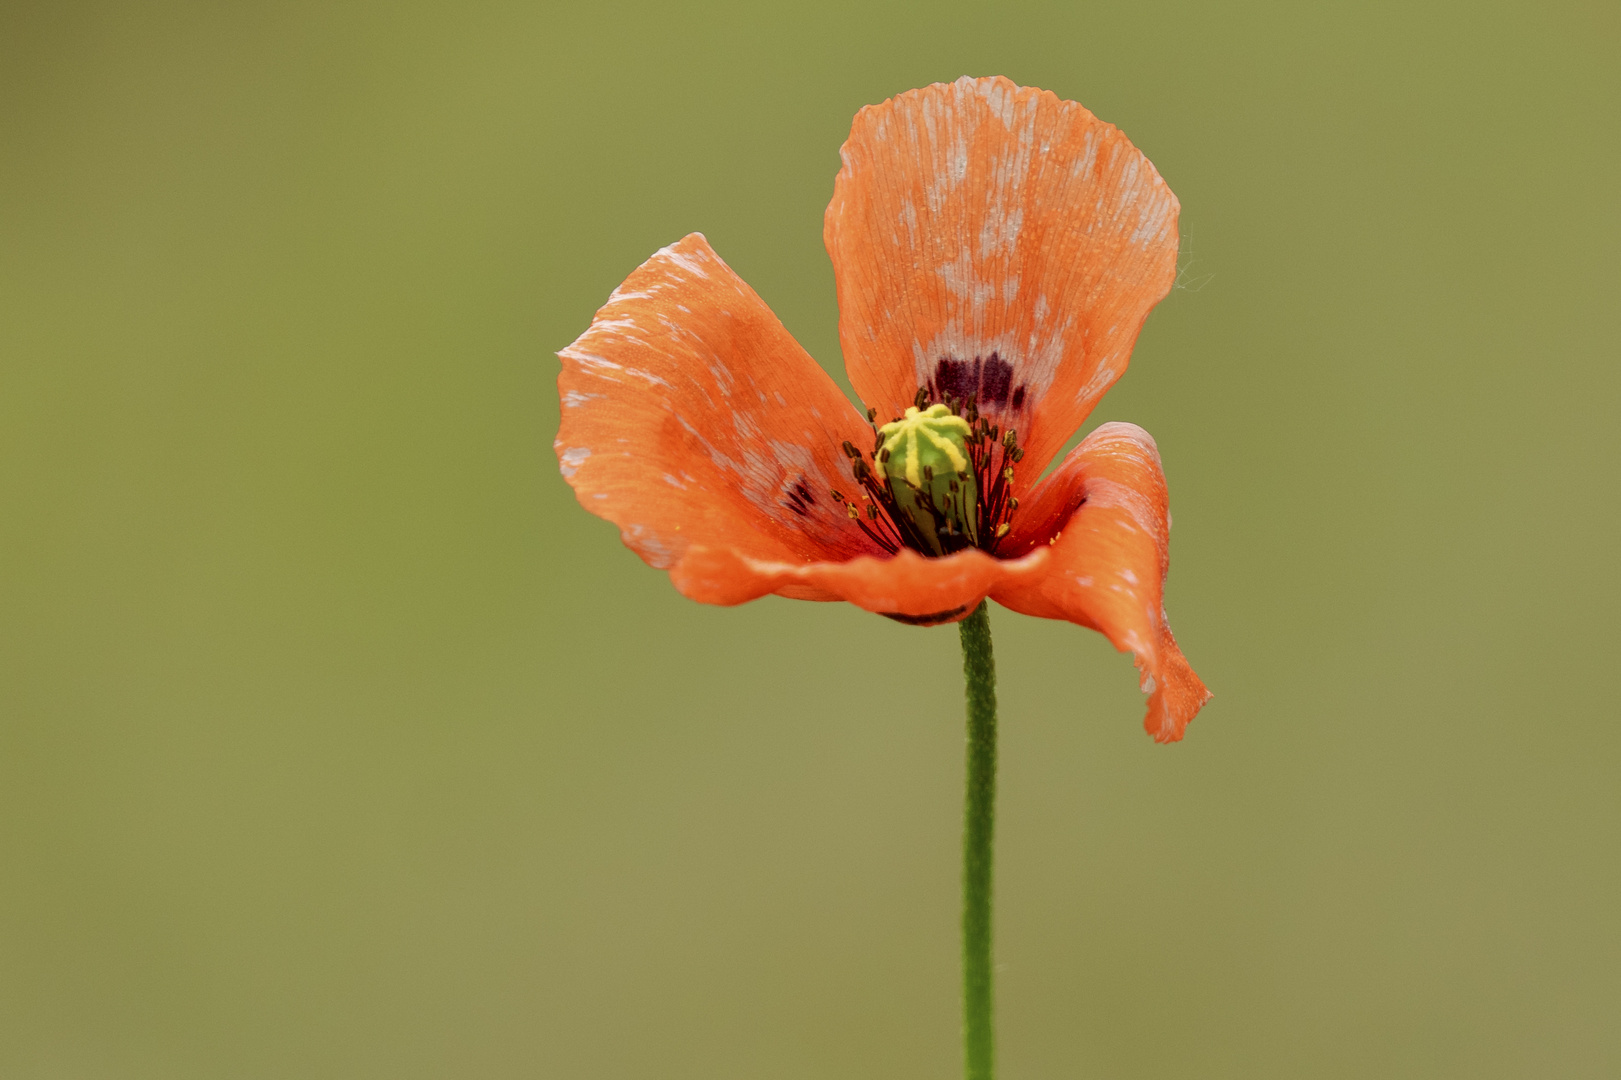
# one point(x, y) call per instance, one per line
point(924, 459)
point(938, 479)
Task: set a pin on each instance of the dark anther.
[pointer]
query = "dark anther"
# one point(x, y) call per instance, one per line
point(977, 501)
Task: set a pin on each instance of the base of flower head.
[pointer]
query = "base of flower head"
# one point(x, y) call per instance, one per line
point(933, 618)
point(970, 505)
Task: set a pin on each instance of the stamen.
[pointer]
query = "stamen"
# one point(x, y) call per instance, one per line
point(932, 481)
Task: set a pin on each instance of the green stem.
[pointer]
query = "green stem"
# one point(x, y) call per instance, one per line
point(979, 826)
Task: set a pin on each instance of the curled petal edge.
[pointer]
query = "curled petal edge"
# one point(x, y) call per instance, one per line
point(1105, 517)
point(1175, 692)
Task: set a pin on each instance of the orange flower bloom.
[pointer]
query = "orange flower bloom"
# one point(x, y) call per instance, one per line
point(996, 251)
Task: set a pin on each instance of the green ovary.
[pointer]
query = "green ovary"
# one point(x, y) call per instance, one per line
point(926, 464)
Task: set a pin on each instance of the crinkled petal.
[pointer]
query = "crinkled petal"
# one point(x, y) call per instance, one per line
point(1105, 517)
point(907, 587)
point(691, 416)
point(993, 239)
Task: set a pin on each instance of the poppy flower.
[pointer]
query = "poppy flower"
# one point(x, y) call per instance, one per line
point(995, 251)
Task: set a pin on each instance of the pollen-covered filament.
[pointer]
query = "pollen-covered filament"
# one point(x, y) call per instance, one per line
point(937, 480)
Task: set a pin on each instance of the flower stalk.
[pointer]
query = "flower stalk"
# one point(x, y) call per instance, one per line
point(979, 826)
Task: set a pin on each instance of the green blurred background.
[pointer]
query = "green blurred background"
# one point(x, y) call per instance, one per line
point(337, 741)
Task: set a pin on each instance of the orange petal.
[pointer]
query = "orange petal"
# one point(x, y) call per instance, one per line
point(980, 219)
point(691, 416)
point(1106, 519)
point(908, 587)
